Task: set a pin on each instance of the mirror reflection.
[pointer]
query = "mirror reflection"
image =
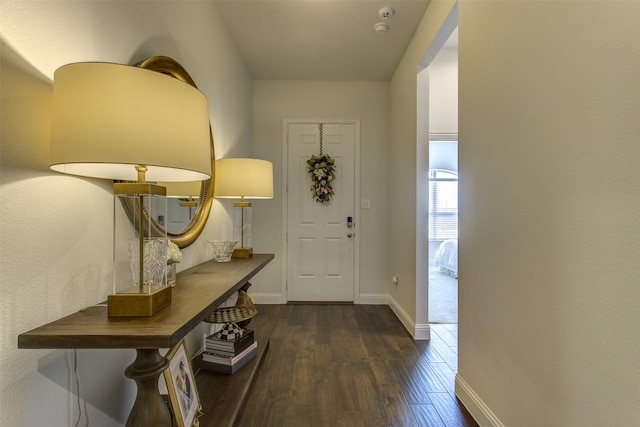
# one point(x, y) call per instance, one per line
point(182, 203)
point(189, 203)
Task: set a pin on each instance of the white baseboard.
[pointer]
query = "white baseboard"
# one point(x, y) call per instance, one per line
point(268, 298)
point(422, 332)
point(478, 409)
point(372, 299)
point(417, 331)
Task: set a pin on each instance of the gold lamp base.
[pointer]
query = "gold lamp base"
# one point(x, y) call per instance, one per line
point(139, 304)
point(242, 253)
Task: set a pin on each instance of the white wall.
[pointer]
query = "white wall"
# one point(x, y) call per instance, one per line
point(443, 92)
point(443, 109)
point(550, 191)
point(368, 102)
point(56, 230)
point(410, 163)
point(549, 226)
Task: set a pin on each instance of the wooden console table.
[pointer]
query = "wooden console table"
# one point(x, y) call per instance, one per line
point(199, 290)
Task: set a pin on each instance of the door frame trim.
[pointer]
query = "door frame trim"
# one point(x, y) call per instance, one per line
point(356, 204)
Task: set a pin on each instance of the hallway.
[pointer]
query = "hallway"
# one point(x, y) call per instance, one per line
point(352, 365)
point(443, 297)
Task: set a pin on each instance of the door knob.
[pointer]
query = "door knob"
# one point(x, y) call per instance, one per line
point(349, 234)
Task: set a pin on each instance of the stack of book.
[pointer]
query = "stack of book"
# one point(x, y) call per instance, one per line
point(227, 356)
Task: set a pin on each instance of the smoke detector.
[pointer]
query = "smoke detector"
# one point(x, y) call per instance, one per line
point(386, 13)
point(380, 28)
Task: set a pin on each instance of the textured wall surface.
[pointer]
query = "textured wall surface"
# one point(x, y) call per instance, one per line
point(56, 230)
point(549, 256)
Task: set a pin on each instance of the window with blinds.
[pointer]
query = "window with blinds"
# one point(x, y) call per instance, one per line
point(443, 204)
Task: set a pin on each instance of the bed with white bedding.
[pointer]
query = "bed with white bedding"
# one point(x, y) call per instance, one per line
point(446, 257)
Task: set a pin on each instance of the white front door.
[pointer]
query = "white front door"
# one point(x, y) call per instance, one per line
point(320, 242)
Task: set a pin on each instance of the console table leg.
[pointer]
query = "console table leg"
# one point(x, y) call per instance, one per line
point(149, 409)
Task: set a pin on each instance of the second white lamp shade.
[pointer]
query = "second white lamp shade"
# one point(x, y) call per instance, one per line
point(244, 178)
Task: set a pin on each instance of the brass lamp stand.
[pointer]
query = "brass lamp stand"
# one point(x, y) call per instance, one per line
point(145, 301)
point(245, 250)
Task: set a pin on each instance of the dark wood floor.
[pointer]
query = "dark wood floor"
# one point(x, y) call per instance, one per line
point(352, 365)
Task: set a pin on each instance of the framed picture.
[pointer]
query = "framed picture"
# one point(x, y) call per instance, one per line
point(181, 385)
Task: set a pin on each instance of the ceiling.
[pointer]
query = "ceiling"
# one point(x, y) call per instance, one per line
point(320, 39)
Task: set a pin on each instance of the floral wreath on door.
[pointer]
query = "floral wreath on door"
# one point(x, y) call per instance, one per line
point(322, 170)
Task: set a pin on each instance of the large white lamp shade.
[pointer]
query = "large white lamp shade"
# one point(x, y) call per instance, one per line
point(108, 118)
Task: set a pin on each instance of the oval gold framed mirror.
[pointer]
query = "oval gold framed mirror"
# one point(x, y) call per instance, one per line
point(199, 211)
